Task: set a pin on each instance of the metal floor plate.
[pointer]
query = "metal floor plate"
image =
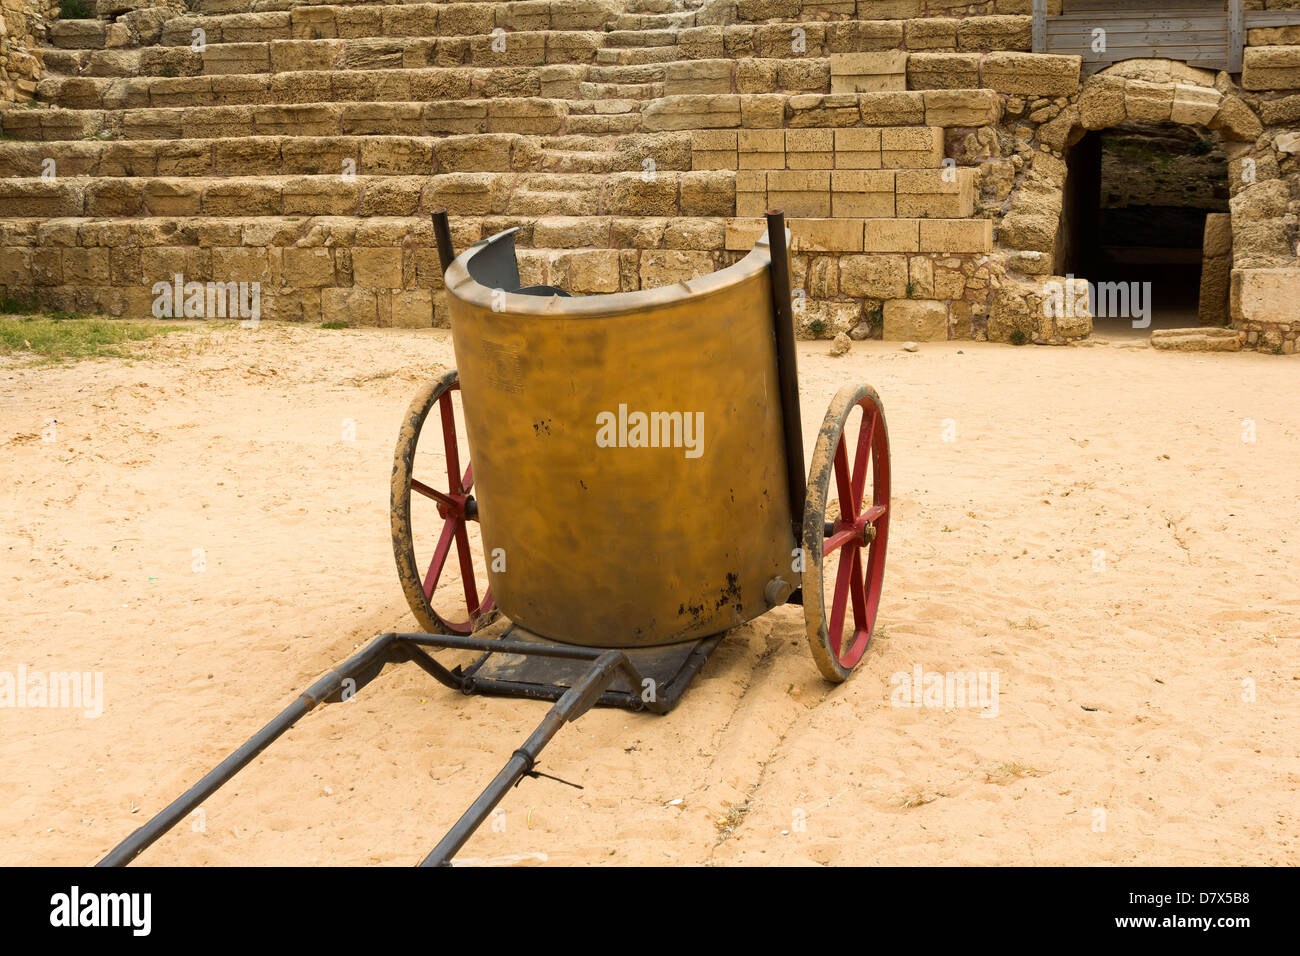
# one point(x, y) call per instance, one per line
point(662, 664)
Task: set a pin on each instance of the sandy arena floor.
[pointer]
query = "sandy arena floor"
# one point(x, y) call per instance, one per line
point(1147, 711)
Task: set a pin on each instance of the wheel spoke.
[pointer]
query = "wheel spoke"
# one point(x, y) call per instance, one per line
point(865, 435)
point(858, 590)
point(466, 569)
point(839, 540)
point(875, 513)
point(439, 557)
point(848, 505)
point(421, 488)
point(449, 442)
point(840, 600)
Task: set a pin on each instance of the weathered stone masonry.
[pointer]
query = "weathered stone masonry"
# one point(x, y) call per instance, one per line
point(918, 146)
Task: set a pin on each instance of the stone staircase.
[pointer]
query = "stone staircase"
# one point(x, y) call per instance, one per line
point(303, 145)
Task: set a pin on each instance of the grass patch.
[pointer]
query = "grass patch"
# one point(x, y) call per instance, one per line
point(61, 336)
point(334, 325)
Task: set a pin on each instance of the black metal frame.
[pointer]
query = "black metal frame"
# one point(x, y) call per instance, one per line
point(571, 702)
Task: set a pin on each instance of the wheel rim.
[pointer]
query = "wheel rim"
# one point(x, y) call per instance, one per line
point(847, 532)
point(861, 531)
point(433, 482)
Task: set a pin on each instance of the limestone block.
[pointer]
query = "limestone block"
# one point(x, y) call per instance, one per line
point(825, 110)
point(956, 235)
point(762, 111)
point(1271, 68)
point(1236, 121)
point(412, 309)
point(1268, 295)
point(307, 268)
point(714, 149)
point(1197, 340)
point(85, 266)
point(911, 147)
point(751, 193)
point(810, 148)
point(868, 72)
point(1148, 101)
point(891, 235)
point(915, 320)
point(1195, 104)
point(936, 193)
point(660, 267)
point(943, 71)
point(1102, 102)
point(857, 148)
point(893, 109)
point(932, 33)
point(862, 194)
point(1032, 74)
point(874, 276)
point(707, 193)
point(962, 108)
point(800, 193)
point(586, 272)
point(825, 235)
point(692, 112)
point(761, 149)
point(697, 77)
point(355, 307)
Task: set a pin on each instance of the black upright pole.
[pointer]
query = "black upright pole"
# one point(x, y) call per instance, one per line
point(442, 236)
point(787, 369)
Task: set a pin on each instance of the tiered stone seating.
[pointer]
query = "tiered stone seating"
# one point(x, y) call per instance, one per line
point(633, 142)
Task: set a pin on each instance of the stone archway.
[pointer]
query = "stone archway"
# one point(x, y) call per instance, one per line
point(1034, 229)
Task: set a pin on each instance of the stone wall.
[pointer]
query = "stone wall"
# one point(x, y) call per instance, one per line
point(22, 27)
point(1023, 162)
point(920, 151)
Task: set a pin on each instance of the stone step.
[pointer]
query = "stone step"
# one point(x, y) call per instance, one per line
point(804, 194)
point(368, 155)
point(639, 39)
point(447, 20)
point(216, 7)
point(620, 91)
point(333, 86)
point(299, 55)
point(522, 194)
point(568, 161)
point(479, 50)
point(638, 74)
point(636, 57)
point(655, 21)
point(941, 108)
point(662, 6)
point(384, 269)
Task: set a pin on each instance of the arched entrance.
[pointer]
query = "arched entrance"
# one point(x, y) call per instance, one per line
point(1136, 215)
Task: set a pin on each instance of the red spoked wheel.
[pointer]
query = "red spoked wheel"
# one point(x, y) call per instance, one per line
point(846, 530)
point(432, 507)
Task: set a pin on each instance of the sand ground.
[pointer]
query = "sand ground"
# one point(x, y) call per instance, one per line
point(1098, 535)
